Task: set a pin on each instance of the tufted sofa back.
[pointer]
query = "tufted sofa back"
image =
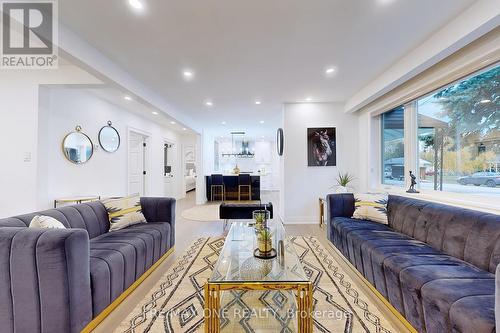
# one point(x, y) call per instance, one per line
point(466, 234)
point(91, 216)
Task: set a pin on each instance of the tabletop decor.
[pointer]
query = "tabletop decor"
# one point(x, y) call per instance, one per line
point(260, 218)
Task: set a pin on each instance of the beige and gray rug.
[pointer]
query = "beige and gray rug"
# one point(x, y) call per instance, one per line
point(175, 303)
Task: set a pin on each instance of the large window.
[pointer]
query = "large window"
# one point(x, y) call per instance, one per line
point(454, 139)
point(393, 147)
point(459, 136)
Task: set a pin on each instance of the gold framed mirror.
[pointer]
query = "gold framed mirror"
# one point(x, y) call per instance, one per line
point(77, 146)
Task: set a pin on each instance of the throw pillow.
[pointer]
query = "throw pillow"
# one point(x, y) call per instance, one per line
point(371, 206)
point(46, 222)
point(124, 212)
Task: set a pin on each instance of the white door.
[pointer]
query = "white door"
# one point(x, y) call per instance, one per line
point(137, 164)
point(169, 183)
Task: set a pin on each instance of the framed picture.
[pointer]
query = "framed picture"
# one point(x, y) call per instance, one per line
point(321, 146)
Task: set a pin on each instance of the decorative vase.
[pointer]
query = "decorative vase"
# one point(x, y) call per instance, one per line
point(264, 248)
point(236, 170)
point(265, 245)
point(343, 189)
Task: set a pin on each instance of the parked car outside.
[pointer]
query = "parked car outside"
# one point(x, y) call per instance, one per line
point(491, 179)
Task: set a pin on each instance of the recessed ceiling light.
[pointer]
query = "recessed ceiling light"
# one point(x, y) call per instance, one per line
point(155, 113)
point(223, 123)
point(128, 98)
point(330, 70)
point(385, 2)
point(209, 103)
point(258, 102)
point(262, 121)
point(308, 99)
point(172, 122)
point(188, 74)
point(136, 4)
point(484, 101)
point(184, 129)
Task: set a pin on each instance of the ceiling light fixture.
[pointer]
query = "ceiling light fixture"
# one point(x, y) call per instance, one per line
point(209, 104)
point(484, 101)
point(330, 70)
point(188, 74)
point(223, 123)
point(184, 129)
point(308, 99)
point(172, 122)
point(155, 113)
point(128, 98)
point(262, 121)
point(258, 102)
point(136, 4)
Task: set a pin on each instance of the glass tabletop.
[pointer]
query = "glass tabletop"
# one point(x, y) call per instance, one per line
point(237, 262)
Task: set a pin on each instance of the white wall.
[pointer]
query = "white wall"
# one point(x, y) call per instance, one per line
point(104, 174)
point(19, 102)
point(301, 185)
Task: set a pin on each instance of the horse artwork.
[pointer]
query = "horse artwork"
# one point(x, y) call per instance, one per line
point(321, 143)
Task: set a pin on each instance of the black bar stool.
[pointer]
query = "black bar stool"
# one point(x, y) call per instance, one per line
point(244, 180)
point(217, 182)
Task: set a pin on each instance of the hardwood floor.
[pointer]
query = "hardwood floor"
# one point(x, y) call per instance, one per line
point(187, 231)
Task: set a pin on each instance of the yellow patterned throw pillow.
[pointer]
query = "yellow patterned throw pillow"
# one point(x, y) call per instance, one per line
point(371, 206)
point(124, 212)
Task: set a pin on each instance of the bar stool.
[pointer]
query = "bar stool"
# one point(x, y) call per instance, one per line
point(244, 180)
point(217, 182)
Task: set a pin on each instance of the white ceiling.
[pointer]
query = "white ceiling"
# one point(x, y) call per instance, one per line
point(240, 51)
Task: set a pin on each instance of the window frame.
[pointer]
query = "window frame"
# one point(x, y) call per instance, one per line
point(411, 157)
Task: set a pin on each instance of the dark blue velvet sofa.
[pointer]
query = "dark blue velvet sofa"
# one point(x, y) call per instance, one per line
point(58, 280)
point(434, 263)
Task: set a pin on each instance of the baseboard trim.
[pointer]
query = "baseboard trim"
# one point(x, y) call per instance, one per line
point(391, 308)
point(300, 220)
point(107, 311)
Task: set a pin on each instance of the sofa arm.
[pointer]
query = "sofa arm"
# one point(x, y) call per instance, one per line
point(44, 280)
point(497, 296)
point(160, 210)
point(340, 205)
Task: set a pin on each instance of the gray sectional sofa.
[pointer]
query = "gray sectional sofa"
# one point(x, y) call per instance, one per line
point(58, 280)
point(435, 263)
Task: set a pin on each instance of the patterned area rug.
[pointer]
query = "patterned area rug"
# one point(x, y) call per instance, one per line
point(175, 304)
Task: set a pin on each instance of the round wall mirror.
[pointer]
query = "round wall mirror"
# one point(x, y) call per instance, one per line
point(280, 141)
point(109, 138)
point(77, 147)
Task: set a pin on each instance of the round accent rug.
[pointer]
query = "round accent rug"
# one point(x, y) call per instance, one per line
point(202, 213)
point(176, 302)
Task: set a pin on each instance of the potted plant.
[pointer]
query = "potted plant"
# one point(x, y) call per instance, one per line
point(264, 238)
point(343, 180)
point(260, 217)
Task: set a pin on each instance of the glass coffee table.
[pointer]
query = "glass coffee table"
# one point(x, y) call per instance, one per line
point(245, 293)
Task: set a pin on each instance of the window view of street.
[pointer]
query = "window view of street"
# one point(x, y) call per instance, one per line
point(459, 136)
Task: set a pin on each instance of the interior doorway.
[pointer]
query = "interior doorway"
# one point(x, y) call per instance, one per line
point(138, 163)
point(169, 170)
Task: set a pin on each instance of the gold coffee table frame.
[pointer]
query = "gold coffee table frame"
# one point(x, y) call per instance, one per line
point(304, 297)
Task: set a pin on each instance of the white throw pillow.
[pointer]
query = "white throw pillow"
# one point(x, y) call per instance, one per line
point(46, 222)
point(371, 206)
